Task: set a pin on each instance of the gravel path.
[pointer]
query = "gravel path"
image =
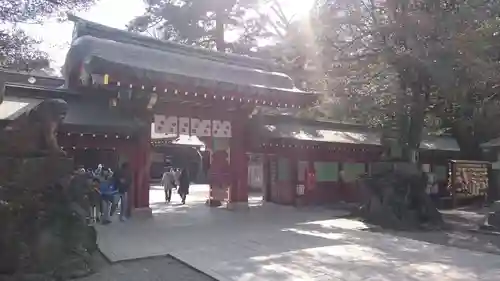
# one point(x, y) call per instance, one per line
point(150, 269)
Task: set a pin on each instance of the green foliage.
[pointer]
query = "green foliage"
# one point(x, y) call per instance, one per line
point(44, 227)
point(428, 63)
point(12, 11)
point(193, 22)
point(17, 49)
point(431, 64)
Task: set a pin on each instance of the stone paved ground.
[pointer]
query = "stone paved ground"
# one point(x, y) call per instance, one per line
point(460, 234)
point(281, 243)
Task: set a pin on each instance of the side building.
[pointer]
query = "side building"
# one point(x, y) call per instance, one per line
point(285, 150)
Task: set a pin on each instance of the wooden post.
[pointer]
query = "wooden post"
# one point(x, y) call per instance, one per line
point(239, 165)
point(141, 170)
point(453, 185)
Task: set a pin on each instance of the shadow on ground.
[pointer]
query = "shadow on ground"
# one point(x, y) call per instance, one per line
point(165, 268)
point(462, 222)
point(348, 256)
point(273, 242)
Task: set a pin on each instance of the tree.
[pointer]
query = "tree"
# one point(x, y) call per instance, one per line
point(403, 63)
point(360, 86)
point(17, 49)
point(14, 11)
point(194, 22)
point(411, 58)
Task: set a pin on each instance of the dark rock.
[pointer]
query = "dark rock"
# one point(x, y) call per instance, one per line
point(492, 218)
point(397, 199)
point(213, 203)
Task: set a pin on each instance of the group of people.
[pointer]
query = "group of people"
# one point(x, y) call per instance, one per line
point(174, 178)
point(108, 189)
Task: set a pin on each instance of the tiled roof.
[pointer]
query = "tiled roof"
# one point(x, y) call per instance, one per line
point(100, 118)
point(91, 115)
point(491, 143)
point(138, 58)
point(341, 133)
point(13, 107)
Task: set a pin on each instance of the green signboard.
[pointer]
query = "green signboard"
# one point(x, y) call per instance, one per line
point(326, 171)
point(441, 172)
point(352, 171)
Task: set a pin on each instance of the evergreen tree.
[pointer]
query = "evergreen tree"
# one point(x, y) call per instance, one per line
point(194, 22)
point(17, 49)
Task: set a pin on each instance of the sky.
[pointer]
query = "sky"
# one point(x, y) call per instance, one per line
point(56, 36)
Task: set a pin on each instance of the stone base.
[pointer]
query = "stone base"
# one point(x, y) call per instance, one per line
point(237, 206)
point(300, 202)
point(213, 203)
point(142, 213)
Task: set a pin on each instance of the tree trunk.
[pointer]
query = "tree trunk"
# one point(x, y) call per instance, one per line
point(469, 144)
point(220, 42)
point(412, 108)
point(416, 123)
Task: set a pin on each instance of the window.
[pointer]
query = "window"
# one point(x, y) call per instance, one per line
point(352, 171)
point(380, 167)
point(326, 171)
point(441, 172)
point(283, 169)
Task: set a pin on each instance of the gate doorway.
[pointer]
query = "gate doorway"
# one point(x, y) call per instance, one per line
point(181, 151)
point(258, 190)
point(183, 91)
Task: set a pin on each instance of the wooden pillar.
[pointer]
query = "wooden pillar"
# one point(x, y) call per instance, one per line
point(144, 177)
point(126, 153)
point(139, 199)
point(219, 174)
point(228, 173)
point(239, 165)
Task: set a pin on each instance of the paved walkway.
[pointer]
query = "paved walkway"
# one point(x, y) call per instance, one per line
point(282, 243)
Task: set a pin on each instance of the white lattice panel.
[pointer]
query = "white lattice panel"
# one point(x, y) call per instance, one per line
point(184, 125)
point(165, 125)
point(201, 128)
point(221, 129)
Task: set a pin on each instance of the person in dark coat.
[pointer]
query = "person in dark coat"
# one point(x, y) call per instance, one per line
point(184, 182)
point(122, 180)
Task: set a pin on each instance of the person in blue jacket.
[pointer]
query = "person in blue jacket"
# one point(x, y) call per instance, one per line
point(108, 194)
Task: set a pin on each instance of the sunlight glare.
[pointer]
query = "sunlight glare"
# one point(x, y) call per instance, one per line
point(298, 8)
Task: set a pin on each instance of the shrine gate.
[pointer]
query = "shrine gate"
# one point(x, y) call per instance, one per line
point(182, 90)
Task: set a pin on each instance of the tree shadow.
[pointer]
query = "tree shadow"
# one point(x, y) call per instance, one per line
point(282, 243)
point(370, 256)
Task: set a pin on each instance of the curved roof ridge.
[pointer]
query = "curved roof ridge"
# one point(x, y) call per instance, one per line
point(86, 27)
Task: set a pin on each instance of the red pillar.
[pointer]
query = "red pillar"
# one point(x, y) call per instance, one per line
point(129, 151)
point(239, 165)
point(139, 199)
point(144, 176)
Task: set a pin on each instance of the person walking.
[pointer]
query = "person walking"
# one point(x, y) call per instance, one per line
point(184, 183)
point(108, 192)
point(95, 200)
point(168, 183)
point(123, 181)
point(177, 174)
